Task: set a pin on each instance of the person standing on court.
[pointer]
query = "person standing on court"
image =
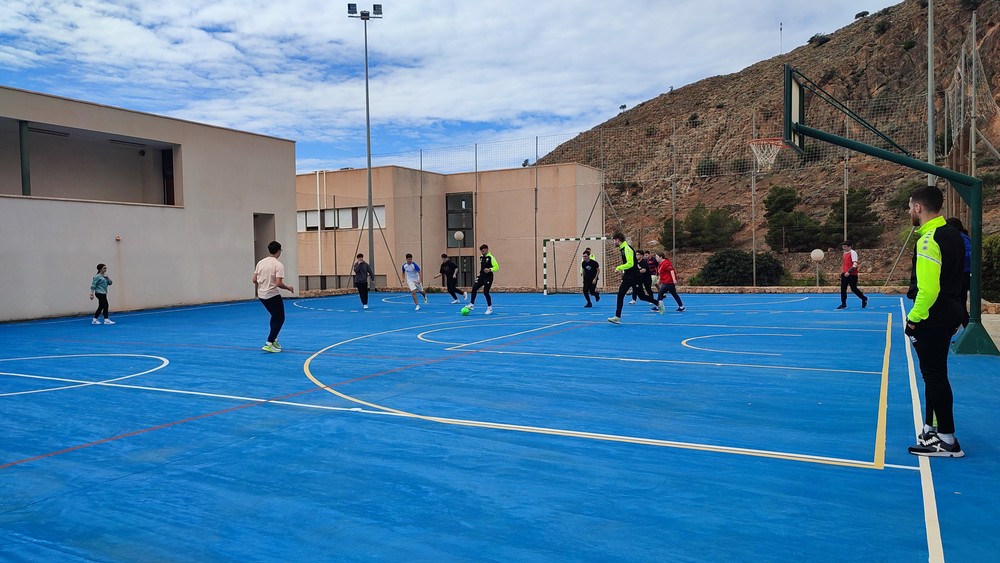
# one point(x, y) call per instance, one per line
point(934, 317)
point(967, 267)
point(362, 273)
point(631, 279)
point(268, 278)
point(849, 276)
point(668, 281)
point(648, 267)
point(487, 267)
point(449, 275)
point(414, 280)
point(99, 288)
point(591, 274)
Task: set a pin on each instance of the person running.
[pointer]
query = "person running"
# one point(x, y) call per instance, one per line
point(99, 288)
point(362, 273)
point(414, 280)
point(967, 267)
point(268, 278)
point(591, 274)
point(648, 266)
point(449, 275)
point(631, 279)
point(935, 316)
point(487, 267)
point(849, 276)
point(668, 280)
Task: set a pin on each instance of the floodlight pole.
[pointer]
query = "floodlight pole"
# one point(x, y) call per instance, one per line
point(364, 16)
point(931, 157)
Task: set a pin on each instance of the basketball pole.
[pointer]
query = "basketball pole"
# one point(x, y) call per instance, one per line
point(974, 339)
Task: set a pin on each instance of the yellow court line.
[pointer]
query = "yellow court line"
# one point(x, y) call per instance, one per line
point(570, 433)
point(935, 547)
point(883, 399)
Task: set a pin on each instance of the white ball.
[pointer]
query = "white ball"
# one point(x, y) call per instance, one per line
point(817, 255)
point(459, 235)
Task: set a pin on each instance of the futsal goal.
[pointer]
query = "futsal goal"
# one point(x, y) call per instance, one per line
point(562, 257)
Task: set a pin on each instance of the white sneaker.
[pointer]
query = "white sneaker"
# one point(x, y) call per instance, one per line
point(365, 307)
point(425, 298)
point(489, 310)
point(615, 320)
point(95, 322)
point(418, 308)
point(471, 306)
point(632, 302)
point(454, 301)
point(465, 296)
point(109, 322)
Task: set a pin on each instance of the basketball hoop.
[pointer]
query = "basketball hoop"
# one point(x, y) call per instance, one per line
point(766, 150)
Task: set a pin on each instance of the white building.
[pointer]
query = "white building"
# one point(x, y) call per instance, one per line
point(179, 211)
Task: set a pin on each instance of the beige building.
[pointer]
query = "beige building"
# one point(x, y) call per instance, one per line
point(419, 212)
point(179, 211)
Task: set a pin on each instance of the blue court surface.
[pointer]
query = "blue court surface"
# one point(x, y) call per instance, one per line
point(750, 427)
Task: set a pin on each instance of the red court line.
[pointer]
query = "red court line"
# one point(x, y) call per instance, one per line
point(262, 402)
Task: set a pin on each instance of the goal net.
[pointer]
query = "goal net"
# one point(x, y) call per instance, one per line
point(561, 259)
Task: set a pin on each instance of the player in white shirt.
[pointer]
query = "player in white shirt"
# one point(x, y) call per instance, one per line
point(414, 280)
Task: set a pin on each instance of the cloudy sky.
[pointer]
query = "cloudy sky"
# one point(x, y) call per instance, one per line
point(444, 73)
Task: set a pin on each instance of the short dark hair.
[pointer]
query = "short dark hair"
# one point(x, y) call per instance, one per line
point(408, 255)
point(846, 243)
point(484, 247)
point(444, 256)
point(99, 266)
point(929, 196)
point(273, 247)
point(360, 256)
point(618, 236)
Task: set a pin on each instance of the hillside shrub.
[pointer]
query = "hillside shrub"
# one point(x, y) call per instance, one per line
point(991, 268)
point(692, 120)
point(818, 39)
point(909, 44)
point(881, 27)
point(708, 167)
point(709, 230)
point(863, 225)
point(970, 5)
point(731, 267)
point(860, 15)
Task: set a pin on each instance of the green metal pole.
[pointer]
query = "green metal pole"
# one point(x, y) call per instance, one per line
point(974, 339)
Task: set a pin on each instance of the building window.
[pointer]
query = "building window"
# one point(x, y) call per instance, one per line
point(459, 219)
point(340, 218)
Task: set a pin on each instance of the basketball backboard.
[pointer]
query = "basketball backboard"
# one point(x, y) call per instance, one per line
point(794, 109)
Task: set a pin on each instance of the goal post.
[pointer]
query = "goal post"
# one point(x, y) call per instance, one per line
point(561, 258)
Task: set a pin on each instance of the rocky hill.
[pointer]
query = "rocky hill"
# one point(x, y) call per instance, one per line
point(689, 145)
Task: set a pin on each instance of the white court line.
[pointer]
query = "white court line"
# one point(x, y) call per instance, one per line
point(127, 314)
point(935, 547)
point(163, 364)
point(687, 340)
point(679, 362)
point(501, 337)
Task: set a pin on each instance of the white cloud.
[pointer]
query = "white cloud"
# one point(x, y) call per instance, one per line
point(295, 68)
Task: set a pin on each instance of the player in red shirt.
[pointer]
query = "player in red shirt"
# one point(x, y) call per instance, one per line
point(849, 276)
point(668, 280)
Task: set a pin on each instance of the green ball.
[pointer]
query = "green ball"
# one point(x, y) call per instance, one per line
point(466, 311)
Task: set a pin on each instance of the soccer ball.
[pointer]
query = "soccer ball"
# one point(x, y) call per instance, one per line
point(466, 311)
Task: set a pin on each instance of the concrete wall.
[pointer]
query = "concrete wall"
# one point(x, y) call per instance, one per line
point(201, 250)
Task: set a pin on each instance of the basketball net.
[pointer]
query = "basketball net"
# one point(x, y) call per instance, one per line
point(766, 151)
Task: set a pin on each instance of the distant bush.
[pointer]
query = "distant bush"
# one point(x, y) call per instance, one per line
point(970, 5)
point(731, 267)
point(990, 179)
point(650, 131)
point(739, 165)
point(860, 15)
point(909, 44)
point(900, 200)
point(818, 39)
point(991, 268)
point(881, 27)
point(708, 167)
point(693, 120)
